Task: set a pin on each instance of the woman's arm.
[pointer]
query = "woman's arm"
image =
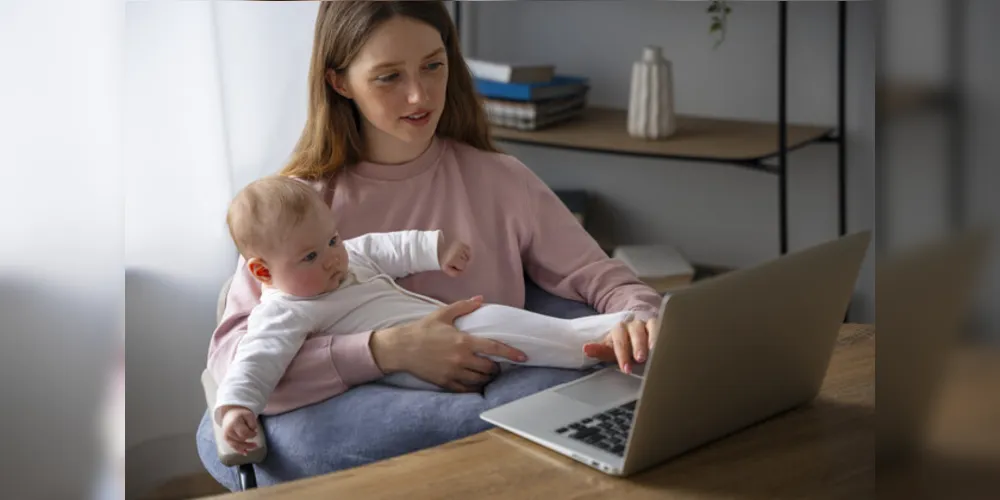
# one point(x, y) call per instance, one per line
point(311, 375)
point(562, 258)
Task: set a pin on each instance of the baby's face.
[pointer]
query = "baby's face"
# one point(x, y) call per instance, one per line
point(311, 260)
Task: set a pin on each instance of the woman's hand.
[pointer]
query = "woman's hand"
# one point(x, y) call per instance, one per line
point(432, 349)
point(627, 342)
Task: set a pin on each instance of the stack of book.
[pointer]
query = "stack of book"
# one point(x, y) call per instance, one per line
point(662, 267)
point(527, 96)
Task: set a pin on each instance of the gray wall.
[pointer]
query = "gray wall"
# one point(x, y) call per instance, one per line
point(716, 213)
point(916, 149)
point(981, 82)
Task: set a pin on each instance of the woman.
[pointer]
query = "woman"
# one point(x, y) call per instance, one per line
point(396, 139)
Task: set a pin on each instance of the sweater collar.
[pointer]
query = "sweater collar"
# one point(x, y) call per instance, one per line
point(400, 171)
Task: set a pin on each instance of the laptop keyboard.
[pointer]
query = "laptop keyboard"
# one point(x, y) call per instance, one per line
point(607, 430)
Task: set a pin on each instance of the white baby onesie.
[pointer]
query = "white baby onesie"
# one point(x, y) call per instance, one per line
point(369, 299)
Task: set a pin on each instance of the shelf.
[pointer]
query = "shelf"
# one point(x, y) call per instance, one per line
point(699, 139)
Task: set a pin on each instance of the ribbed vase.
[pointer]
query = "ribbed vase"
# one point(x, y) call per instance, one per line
point(651, 99)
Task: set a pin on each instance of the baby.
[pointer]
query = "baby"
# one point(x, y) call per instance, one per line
point(313, 281)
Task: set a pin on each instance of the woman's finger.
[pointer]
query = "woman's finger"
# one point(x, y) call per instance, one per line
point(479, 364)
point(455, 386)
point(449, 313)
point(473, 378)
point(623, 348)
point(487, 347)
point(638, 336)
point(653, 330)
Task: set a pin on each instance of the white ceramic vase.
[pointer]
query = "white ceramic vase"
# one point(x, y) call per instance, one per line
point(651, 99)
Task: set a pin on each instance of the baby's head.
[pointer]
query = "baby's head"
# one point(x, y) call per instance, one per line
point(288, 236)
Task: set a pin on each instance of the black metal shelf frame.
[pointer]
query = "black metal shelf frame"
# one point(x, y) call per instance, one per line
point(838, 136)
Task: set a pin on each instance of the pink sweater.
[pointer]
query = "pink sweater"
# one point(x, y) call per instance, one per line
point(513, 222)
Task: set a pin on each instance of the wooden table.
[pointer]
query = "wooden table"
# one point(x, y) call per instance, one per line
point(823, 450)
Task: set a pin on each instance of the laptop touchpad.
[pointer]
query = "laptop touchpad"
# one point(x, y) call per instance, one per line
point(603, 389)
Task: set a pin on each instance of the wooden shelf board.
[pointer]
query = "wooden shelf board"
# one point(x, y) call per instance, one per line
point(697, 138)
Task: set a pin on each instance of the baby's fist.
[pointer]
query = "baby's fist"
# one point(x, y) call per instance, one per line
point(454, 257)
point(239, 426)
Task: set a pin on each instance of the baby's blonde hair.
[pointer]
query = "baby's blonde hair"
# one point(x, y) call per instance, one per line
point(264, 211)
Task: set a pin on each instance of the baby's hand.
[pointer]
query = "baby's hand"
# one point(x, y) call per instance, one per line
point(239, 426)
point(454, 257)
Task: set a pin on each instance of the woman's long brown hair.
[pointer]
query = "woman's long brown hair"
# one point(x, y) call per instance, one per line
point(331, 138)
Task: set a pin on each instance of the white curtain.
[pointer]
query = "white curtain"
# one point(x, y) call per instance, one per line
point(214, 97)
point(61, 240)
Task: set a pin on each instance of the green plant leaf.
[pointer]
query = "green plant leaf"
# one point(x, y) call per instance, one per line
point(718, 9)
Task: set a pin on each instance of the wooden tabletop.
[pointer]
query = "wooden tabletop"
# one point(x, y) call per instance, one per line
point(823, 450)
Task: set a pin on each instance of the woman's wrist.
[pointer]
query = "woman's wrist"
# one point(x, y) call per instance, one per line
point(384, 344)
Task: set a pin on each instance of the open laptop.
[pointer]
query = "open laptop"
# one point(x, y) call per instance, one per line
point(731, 351)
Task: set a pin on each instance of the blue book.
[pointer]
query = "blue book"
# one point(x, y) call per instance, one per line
point(560, 86)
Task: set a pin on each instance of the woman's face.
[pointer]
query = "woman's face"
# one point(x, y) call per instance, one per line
point(398, 82)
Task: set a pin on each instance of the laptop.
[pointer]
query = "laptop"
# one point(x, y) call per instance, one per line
point(731, 351)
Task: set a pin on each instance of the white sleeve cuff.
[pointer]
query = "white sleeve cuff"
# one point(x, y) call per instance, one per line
point(426, 258)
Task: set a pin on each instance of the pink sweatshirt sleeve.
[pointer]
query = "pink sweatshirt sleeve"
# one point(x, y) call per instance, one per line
point(562, 258)
point(324, 367)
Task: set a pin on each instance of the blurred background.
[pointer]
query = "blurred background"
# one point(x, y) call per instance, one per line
point(126, 127)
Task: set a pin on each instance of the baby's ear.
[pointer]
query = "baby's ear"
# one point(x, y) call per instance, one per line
point(258, 269)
